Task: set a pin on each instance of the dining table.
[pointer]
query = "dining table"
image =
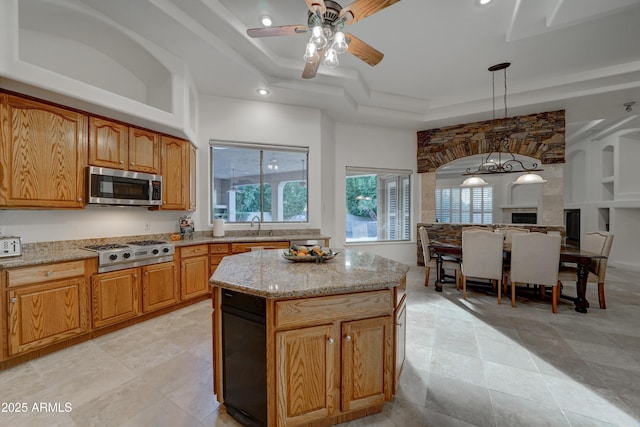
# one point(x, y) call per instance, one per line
point(568, 254)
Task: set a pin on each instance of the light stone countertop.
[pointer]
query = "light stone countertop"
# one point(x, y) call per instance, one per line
point(266, 273)
point(71, 250)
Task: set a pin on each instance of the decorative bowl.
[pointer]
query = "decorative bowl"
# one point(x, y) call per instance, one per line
point(308, 254)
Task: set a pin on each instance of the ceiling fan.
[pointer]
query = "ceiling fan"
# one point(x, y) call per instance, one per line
point(325, 20)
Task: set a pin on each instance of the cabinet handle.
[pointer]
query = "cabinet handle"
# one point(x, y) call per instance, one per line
point(347, 338)
point(330, 340)
point(14, 300)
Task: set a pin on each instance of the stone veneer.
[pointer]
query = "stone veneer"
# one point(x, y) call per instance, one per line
point(540, 136)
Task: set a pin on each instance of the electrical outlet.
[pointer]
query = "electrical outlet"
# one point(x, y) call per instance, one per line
point(147, 226)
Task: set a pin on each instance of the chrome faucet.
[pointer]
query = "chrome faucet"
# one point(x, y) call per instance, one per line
point(259, 223)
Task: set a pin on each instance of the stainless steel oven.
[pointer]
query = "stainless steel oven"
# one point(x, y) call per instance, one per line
point(119, 187)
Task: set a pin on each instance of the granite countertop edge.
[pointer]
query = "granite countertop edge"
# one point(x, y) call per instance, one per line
point(306, 292)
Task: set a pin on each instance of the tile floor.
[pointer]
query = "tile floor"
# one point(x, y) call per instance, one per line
point(472, 363)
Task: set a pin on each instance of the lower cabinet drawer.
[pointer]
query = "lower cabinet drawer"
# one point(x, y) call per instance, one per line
point(316, 310)
point(44, 273)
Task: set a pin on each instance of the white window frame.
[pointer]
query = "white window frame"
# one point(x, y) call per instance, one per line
point(467, 205)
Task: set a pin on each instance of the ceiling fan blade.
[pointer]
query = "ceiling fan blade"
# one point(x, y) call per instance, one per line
point(361, 9)
point(363, 51)
point(311, 68)
point(314, 4)
point(285, 30)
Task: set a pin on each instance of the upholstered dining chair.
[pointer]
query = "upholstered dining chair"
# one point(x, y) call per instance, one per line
point(482, 258)
point(535, 259)
point(510, 231)
point(598, 242)
point(448, 263)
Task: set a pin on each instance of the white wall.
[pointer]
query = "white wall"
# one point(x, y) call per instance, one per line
point(370, 146)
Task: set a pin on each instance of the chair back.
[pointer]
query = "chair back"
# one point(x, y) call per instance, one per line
point(598, 242)
point(424, 240)
point(510, 231)
point(535, 258)
point(482, 254)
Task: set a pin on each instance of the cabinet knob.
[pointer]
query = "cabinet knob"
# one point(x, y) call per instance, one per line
point(131, 163)
point(135, 276)
point(14, 300)
point(48, 273)
point(146, 273)
point(347, 338)
point(330, 340)
point(121, 162)
point(79, 199)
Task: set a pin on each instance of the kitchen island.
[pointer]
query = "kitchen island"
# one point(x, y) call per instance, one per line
point(331, 336)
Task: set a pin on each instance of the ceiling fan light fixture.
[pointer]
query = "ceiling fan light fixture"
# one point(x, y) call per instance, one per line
point(340, 43)
point(331, 58)
point(474, 181)
point(311, 53)
point(317, 37)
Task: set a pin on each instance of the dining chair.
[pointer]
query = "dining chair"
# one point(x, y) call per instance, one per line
point(535, 259)
point(598, 242)
point(482, 258)
point(430, 260)
point(510, 231)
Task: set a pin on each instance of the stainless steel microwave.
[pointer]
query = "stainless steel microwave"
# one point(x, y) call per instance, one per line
point(124, 188)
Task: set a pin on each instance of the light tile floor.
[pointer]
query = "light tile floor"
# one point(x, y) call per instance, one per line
point(469, 363)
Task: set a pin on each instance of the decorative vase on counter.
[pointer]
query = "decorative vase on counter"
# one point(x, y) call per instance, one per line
point(186, 227)
point(218, 228)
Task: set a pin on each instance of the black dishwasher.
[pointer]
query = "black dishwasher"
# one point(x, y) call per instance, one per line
point(244, 361)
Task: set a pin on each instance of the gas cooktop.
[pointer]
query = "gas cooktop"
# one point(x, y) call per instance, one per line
point(118, 256)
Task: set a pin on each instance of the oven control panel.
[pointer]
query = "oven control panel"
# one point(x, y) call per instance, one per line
point(10, 246)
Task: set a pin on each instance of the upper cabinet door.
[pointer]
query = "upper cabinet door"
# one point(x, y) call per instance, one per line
point(144, 151)
point(175, 173)
point(108, 145)
point(43, 155)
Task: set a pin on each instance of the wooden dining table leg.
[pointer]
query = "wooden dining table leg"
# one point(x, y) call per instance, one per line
point(582, 272)
point(439, 272)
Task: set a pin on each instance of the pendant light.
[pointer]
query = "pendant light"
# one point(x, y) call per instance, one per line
point(500, 159)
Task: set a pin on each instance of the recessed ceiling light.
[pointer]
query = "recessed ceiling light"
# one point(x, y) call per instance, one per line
point(484, 2)
point(263, 92)
point(266, 20)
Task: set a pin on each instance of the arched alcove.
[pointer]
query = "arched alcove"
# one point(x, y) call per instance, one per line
point(66, 39)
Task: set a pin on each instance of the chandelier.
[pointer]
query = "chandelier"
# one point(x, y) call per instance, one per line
point(500, 159)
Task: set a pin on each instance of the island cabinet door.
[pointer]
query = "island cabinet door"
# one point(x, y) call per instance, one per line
point(366, 362)
point(305, 374)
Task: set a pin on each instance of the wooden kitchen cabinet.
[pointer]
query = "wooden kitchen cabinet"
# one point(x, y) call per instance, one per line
point(144, 151)
point(118, 146)
point(47, 304)
point(175, 173)
point(160, 286)
point(333, 356)
point(43, 155)
point(114, 296)
point(305, 366)
point(194, 271)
